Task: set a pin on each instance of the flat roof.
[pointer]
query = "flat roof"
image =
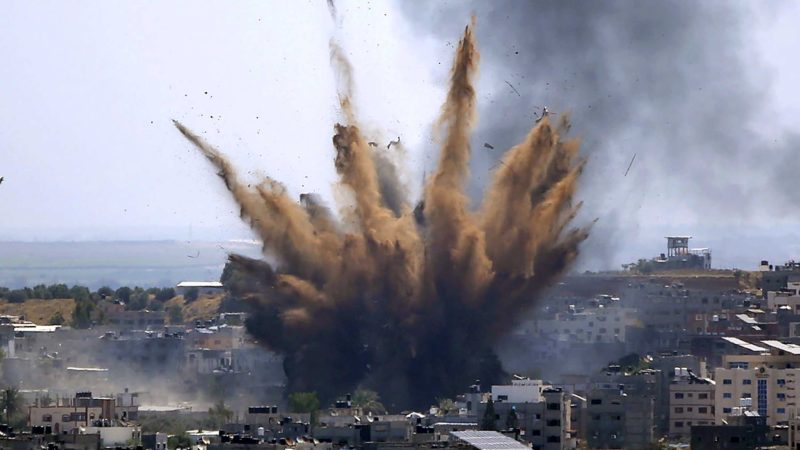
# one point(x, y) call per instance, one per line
point(87, 369)
point(33, 328)
point(746, 319)
point(743, 344)
point(489, 440)
point(214, 284)
point(794, 349)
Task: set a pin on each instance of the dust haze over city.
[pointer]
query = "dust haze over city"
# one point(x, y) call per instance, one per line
point(357, 224)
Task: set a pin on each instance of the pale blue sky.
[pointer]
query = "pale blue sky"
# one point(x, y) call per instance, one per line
point(88, 90)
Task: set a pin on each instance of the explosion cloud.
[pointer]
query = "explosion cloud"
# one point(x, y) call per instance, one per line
point(407, 302)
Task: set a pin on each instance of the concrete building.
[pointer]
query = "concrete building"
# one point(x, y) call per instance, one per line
point(777, 277)
point(203, 287)
point(521, 390)
point(137, 320)
point(589, 325)
point(691, 402)
point(542, 414)
point(617, 419)
point(766, 380)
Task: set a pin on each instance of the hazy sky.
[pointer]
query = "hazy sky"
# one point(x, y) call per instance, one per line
point(88, 90)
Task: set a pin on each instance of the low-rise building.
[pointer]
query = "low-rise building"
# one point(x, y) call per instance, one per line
point(691, 402)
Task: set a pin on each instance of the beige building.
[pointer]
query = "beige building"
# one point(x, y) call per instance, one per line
point(764, 383)
point(691, 402)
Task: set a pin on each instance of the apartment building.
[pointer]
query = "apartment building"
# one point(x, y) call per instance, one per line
point(764, 382)
point(691, 402)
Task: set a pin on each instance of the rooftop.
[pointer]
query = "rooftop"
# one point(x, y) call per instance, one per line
point(199, 284)
point(489, 440)
point(746, 345)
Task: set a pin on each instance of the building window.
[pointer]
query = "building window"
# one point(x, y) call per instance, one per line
point(781, 396)
point(702, 410)
point(678, 410)
point(727, 381)
point(678, 424)
point(65, 418)
point(781, 410)
point(502, 398)
point(781, 381)
point(726, 410)
point(689, 409)
point(726, 395)
point(554, 423)
point(47, 418)
point(762, 397)
point(702, 396)
point(553, 438)
point(679, 395)
point(554, 406)
point(747, 395)
point(536, 432)
point(747, 381)
point(597, 401)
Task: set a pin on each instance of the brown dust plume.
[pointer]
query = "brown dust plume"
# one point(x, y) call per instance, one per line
point(406, 302)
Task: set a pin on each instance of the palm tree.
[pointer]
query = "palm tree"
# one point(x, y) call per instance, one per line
point(11, 403)
point(220, 413)
point(368, 401)
point(446, 406)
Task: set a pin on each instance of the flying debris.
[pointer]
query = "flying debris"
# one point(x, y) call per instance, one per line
point(195, 256)
point(372, 143)
point(395, 142)
point(488, 145)
point(629, 165)
point(1, 179)
point(545, 113)
point(513, 88)
point(450, 281)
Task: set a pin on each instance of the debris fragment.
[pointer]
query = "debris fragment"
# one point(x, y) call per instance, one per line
point(629, 165)
point(513, 88)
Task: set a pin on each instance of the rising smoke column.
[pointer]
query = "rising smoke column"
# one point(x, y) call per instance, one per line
point(409, 306)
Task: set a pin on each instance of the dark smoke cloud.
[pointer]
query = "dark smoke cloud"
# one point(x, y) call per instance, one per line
point(676, 83)
point(408, 304)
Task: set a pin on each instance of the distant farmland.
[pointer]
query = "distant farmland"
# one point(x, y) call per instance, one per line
point(115, 263)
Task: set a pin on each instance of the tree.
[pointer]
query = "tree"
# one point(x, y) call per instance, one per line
point(17, 296)
point(137, 301)
point(446, 406)
point(124, 293)
point(368, 401)
point(155, 305)
point(191, 295)
point(489, 417)
point(57, 318)
point(80, 293)
point(165, 294)
point(82, 314)
point(175, 313)
point(12, 405)
point(41, 291)
point(304, 402)
point(220, 414)
point(105, 292)
point(59, 291)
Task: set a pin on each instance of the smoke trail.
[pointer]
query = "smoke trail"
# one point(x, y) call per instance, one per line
point(407, 302)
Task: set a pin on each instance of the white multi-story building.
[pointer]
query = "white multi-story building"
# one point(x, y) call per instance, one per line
point(602, 324)
point(519, 391)
point(691, 402)
point(787, 297)
point(764, 382)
